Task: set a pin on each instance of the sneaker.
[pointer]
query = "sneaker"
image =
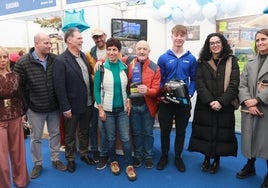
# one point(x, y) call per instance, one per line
point(131, 174)
point(115, 168)
point(59, 165)
point(162, 162)
point(148, 163)
point(136, 162)
point(36, 171)
point(102, 163)
point(96, 156)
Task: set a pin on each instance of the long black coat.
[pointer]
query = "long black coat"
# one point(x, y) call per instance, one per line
point(213, 132)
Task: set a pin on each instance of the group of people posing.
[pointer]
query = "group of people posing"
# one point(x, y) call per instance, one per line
point(106, 91)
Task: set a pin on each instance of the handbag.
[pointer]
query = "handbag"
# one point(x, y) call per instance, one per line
point(261, 85)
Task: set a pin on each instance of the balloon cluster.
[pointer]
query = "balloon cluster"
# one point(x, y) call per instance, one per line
point(192, 10)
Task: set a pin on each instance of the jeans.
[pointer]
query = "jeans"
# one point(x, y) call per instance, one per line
point(93, 129)
point(142, 124)
point(118, 121)
point(37, 120)
point(103, 139)
point(166, 114)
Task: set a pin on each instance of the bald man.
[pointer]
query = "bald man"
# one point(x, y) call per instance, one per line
point(144, 78)
point(35, 70)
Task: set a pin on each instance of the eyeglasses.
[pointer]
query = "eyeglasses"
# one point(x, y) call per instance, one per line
point(218, 42)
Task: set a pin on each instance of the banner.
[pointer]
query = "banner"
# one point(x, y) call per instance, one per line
point(75, 1)
point(16, 6)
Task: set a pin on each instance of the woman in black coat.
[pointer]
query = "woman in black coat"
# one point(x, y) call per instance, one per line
point(217, 81)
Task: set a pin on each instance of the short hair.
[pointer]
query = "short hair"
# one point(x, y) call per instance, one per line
point(69, 33)
point(114, 42)
point(179, 29)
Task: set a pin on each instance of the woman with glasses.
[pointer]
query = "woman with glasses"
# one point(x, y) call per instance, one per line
point(217, 81)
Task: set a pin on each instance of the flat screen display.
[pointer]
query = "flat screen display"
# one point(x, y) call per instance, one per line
point(129, 29)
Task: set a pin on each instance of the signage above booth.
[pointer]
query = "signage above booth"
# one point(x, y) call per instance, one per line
point(16, 6)
point(75, 1)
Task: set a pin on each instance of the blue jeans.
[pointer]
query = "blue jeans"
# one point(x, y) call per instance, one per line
point(103, 139)
point(118, 120)
point(93, 129)
point(142, 124)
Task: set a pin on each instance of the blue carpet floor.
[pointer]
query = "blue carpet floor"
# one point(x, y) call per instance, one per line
point(88, 176)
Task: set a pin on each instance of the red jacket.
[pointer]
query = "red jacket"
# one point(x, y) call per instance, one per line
point(151, 77)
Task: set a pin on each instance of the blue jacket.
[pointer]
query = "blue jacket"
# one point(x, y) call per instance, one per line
point(183, 68)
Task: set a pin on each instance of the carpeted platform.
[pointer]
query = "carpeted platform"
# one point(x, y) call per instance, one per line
point(88, 176)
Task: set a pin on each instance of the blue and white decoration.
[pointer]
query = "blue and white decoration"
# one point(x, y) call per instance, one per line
point(192, 10)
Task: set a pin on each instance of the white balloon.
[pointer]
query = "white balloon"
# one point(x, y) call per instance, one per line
point(183, 5)
point(228, 6)
point(194, 8)
point(177, 14)
point(209, 10)
point(164, 11)
point(172, 3)
point(150, 3)
point(156, 15)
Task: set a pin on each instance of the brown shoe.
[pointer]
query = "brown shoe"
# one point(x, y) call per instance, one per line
point(131, 174)
point(36, 171)
point(59, 165)
point(115, 168)
point(206, 164)
point(214, 168)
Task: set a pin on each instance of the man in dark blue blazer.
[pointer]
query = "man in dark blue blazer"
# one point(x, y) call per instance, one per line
point(73, 87)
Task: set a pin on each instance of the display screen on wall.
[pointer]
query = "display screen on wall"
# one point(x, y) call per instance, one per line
point(129, 29)
point(129, 32)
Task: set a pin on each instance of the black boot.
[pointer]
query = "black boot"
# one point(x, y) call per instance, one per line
point(265, 182)
point(215, 165)
point(206, 163)
point(248, 170)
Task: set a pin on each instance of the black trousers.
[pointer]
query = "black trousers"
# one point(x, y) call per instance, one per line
point(167, 113)
point(78, 123)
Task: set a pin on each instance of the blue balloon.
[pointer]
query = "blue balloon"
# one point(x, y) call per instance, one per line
point(74, 19)
point(203, 2)
point(158, 3)
point(265, 11)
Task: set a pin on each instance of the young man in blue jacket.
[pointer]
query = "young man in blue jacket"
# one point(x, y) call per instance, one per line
point(175, 64)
